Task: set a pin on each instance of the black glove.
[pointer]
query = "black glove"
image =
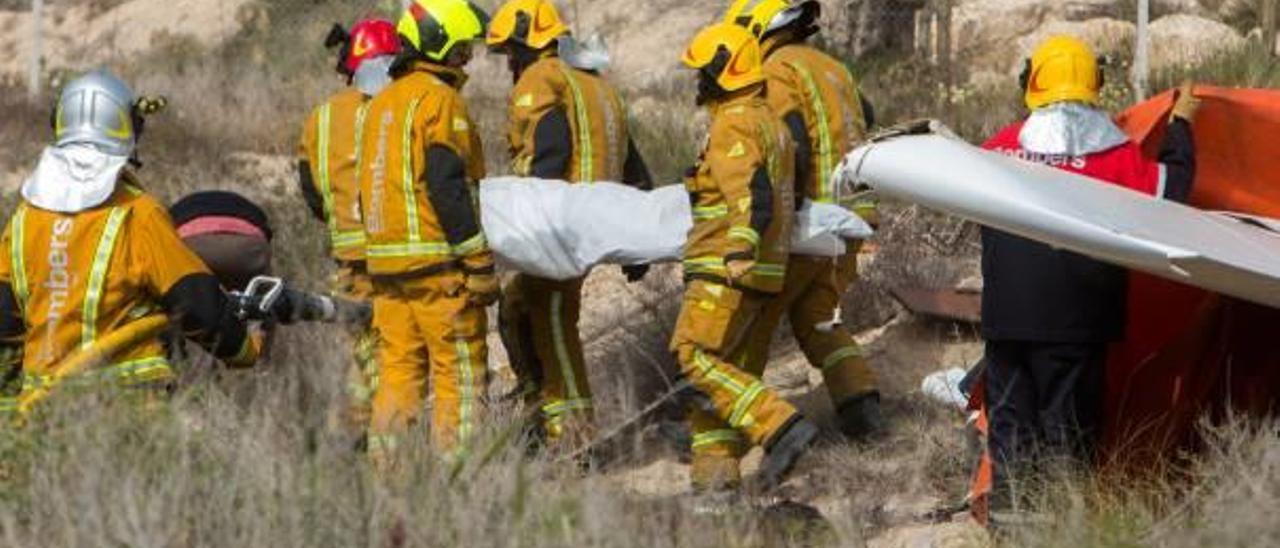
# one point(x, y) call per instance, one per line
point(287, 308)
point(635, 272)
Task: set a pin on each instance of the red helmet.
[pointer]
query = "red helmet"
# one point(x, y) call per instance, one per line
point(368, 39)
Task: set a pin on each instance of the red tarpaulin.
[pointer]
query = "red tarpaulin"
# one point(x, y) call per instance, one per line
point(1188, 351)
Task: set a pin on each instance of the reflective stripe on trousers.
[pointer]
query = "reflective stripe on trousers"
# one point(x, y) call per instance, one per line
point(562, 351)
point(713, 437)
point(744, 396)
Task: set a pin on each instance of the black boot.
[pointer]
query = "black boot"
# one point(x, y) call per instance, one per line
point(782, 452)
point(859, 417)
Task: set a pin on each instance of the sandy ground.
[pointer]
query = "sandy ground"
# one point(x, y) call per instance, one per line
point(76, 38)
point(846, 483)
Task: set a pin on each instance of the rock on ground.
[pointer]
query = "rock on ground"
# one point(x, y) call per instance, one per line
point(984, 30)
point(1106, 36)
point(75, 37)
point(1181, 39)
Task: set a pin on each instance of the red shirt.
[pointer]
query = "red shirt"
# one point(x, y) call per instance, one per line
point(1034, 292)
point(1123, 165)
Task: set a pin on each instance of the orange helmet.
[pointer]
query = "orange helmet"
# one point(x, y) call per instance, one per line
point(533, 23)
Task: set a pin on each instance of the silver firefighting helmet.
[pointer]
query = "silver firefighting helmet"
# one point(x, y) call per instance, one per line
point(96, 109)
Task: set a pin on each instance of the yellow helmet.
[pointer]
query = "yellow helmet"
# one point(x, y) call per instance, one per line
point(763, 16)
point(727, 53)
point(435, 27)
point(1061, 69)
point(533, 23)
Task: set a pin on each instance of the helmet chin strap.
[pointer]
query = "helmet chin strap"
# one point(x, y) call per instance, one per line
point(708, 90)
point(145, 107)
point(520, 57)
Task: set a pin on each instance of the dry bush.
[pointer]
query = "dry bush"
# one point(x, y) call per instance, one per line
point(235, 463)
point(1224, 495)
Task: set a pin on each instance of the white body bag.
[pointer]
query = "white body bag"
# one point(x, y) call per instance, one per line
point(555, 230)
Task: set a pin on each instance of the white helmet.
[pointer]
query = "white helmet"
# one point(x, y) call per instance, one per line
point(97, 109)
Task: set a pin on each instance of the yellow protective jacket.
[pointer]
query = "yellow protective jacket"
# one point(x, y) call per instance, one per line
point(743, 195)
point(817, 97)
point(67, 279)
point(328, 160)
point(570, 124)
point(421, 161)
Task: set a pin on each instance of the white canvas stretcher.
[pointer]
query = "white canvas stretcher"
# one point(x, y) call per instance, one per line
point(1215, 251)
point(560, 231)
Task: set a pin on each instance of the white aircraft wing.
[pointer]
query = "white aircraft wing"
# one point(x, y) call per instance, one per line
point(1230, 254)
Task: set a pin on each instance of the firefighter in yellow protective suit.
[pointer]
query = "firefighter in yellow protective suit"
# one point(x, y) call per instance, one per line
point(88, 252)
point(432, 270)
point(565, 122)
point(818, 99)
point(735, 261)
point(327, 176)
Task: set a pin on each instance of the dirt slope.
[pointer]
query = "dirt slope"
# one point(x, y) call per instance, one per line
point(77, 37)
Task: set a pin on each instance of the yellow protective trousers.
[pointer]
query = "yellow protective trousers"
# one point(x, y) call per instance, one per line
point(539, 319)
point(713, 325)
point(813, 289)
point(429, 335)
point(351, 281)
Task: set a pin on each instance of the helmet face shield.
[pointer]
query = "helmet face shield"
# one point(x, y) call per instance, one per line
point(804, 14)
point(96, 109)
point(373, 75)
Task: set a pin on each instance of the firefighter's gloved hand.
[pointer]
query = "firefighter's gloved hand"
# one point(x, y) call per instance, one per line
point(482, 289)
point(635, 272)
point(738, 268)
point(287, 307)
point(1187, 104)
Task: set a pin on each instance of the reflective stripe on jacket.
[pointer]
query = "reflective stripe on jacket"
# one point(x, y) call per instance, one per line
point(802, 78)
point(743, 195)
point(412, 222)
point(330, 143)
point(596, 115)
